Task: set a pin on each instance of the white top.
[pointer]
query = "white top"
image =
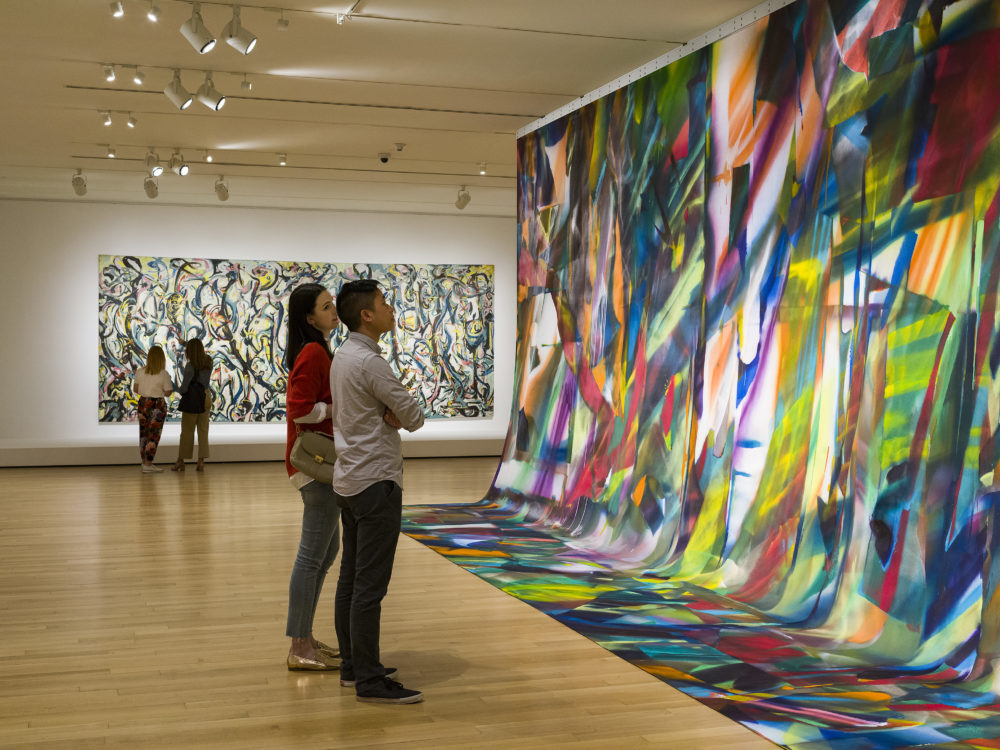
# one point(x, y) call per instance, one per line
point(152, 386)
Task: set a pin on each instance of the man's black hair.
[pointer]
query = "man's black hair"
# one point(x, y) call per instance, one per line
point(354, 297)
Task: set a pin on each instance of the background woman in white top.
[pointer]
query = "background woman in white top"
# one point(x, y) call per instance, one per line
point(152, 384)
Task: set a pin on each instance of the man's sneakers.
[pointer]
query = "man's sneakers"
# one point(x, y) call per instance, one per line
point(347, 675)
point(389, 691)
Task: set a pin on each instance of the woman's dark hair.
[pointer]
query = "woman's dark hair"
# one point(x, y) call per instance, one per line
point(194, 350)
point(301, 303)
point(354, 297)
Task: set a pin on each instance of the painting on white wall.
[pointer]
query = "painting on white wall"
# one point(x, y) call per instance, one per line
point(443, 342)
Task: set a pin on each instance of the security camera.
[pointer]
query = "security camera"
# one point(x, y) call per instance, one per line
point(384, 157)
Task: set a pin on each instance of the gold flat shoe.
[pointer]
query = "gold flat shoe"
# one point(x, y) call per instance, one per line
point(302, 664)
point(329, 651)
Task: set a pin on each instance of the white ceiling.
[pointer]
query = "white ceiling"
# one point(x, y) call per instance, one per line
point(451, 79)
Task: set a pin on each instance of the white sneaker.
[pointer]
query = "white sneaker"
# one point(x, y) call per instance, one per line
point(151, 469)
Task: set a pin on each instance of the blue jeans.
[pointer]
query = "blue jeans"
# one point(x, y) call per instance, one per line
point(371, 522)
point(317, 550)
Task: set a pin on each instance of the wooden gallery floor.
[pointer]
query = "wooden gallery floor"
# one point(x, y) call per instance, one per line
point(148, 611)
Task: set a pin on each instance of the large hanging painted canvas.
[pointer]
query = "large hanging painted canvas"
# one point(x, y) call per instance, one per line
point(754, 446)
point(443, 342)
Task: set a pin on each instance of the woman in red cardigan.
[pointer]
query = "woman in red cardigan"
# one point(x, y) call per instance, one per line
point(312, 317)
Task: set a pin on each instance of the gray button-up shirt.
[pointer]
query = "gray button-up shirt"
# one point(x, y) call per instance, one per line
point(363, 385)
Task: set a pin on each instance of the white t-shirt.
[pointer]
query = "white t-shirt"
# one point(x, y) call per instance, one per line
point(152, 386)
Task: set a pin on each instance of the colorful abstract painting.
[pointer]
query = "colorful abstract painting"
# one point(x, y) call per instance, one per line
point(443, 340)
point(754, 446)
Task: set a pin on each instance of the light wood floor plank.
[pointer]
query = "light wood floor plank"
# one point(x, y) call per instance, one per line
point(147, 611)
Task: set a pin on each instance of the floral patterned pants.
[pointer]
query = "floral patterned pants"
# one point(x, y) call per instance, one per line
point(152, 413)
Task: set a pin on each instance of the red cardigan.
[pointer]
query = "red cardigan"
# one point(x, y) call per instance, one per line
point(308, 385)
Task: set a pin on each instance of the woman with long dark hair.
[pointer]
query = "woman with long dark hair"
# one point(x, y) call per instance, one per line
point(197, 375)
point(312, 317)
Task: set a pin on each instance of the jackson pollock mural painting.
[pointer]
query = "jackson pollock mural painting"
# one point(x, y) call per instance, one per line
point(754, 447)
point(443, 342)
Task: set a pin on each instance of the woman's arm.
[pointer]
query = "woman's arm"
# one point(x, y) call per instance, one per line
point(307, 386)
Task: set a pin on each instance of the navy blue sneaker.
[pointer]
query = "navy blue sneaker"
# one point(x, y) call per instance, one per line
point(389, 691)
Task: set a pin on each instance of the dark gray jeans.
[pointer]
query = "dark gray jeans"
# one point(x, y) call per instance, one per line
point(371, 522)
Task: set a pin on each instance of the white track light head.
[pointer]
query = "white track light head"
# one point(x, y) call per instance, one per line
point(111, 152)
point(151, 187)
point(153, 165)
point(239, 38)
point(117, 9)
point(463, 198)
point(178, 165)
point(247, 84)
point(109, 73)
point(131, 121)
point(79, 183)
point(153, 14)
point(282, 159)
point(106, 119)
point(208, 156)
point(210, 96)
point(139, 77)
point(282, 22)
point(482, 167)
point(221, 189)
point(195, 32)
point(176, 92)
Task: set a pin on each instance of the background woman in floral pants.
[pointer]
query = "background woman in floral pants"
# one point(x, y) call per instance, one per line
point(152, 383)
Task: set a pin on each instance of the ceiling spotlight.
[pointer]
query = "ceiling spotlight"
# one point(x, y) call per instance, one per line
point(399, 146)
point(111, 152)
point(79, 183)
point(153, 14)
point(138, 78)
point(109, 73)
point(151, 186)
point(282, 159)
point(247, 85)
point(177, 164)
point(177, 93)
point(236, 36)
point(463, 198)
point(482, 167)
point(221, 188)
point(153, 165)
point(208, 157)
point(106, 117)
point(282, 23)
point(131, 122)
point(117, 10)
point(209, 95)
point(341, 18)
point(195, 32)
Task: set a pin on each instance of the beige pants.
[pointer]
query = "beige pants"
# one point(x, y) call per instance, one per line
point(188, 424)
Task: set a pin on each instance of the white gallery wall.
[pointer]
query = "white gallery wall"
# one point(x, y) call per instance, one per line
point(49, 249)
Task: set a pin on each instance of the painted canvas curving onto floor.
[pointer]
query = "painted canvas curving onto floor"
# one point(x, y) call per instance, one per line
point(444, 335)
point(754, 444)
